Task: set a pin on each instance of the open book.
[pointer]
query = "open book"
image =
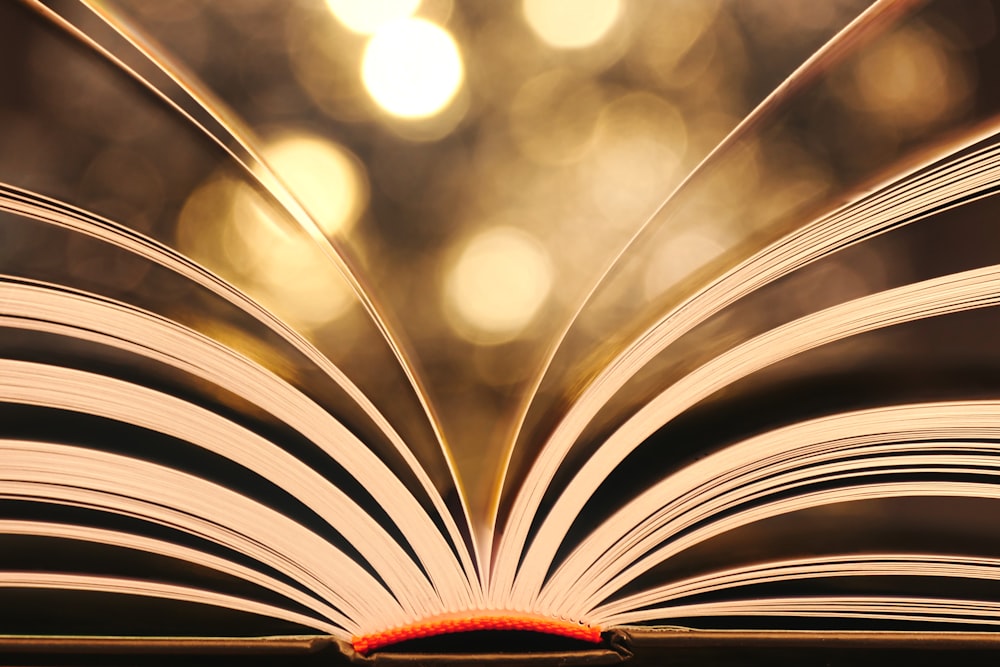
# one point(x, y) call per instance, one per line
point(692, 326)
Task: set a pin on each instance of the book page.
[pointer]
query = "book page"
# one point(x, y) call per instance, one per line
point(455, 314)
point(950, 242)
point(762, 185)
point(132, 164)
point(506, 187)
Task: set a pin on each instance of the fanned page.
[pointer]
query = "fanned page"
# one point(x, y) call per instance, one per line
point(400, 322)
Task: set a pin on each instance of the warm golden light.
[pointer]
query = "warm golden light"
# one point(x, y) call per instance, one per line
point(327, 179)
point(673, 49)
point(909, 80)
point(554, 115)
point(682, 255)
point(367, 16)
point(203, 227)
point(227, 227)
point(640, 142)
point(497, 285)
point(571, 25)
point(412, 68)
point(287, 270)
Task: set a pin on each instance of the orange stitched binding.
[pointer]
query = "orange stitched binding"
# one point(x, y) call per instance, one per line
point(481, 621)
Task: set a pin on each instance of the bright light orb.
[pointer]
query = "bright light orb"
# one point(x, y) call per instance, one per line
point(496, 287)
point(326, 179)
point(367, 16)
point(283, 268)
point(412, 68)
point(571, 25)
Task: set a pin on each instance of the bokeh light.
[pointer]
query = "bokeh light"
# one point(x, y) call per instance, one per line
point(677, 259)
point(497, 284)
point(909, 80)
point(228, 227)
point(675, 48)
point(571, 25)
point(554, 115)
point(288, 271)
point(325, 60)
point(203, 226)
point(327, 179)
point(367, 16)
point(561, 123)
point(639, 147)
point(412, 68)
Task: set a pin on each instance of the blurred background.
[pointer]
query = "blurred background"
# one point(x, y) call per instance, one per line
point(484, 162)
